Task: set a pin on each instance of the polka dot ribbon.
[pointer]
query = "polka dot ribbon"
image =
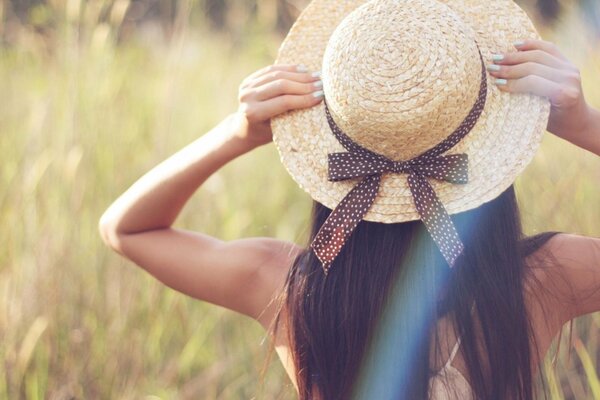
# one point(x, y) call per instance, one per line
point(359, 162)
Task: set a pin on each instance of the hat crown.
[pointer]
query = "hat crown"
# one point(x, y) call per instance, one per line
point(400, 75)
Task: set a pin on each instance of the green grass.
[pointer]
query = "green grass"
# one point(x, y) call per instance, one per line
point(79, 125)
point(78, 129)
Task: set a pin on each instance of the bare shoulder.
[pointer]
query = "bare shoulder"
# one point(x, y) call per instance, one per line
point(241, 275)
point(267, 261)
point(568, 268)
point(273, 274)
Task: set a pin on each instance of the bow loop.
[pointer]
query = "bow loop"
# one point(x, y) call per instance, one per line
point(453, 168)
point(344, 166)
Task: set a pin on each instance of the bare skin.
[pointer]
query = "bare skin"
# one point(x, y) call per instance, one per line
point(244, 275)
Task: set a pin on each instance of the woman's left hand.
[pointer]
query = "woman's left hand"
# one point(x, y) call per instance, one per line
point(538, 67)
point(270, 91)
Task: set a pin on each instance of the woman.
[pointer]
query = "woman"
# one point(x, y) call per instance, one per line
point(507, 297)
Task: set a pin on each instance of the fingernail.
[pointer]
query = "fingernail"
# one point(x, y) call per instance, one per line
point(497, 57)
point(301, 68)
point(318, 84)
point(493, 67)
point(500, 81)
point(318, 93)
point(518, 43)
point(316, 74)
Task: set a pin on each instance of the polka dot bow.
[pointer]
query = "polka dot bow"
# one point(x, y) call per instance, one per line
point(360, 162)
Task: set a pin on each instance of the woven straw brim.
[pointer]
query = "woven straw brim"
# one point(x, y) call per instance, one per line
point(500, 146)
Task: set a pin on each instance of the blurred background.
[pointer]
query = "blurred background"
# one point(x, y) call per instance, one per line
point(97, 92)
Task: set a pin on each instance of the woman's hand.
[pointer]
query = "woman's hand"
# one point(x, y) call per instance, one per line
point(270, 91)
point(538, 67)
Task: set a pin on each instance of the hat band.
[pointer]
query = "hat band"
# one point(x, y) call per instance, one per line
point(359, 162)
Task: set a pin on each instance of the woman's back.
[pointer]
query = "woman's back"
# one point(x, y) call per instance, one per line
point(451, 379)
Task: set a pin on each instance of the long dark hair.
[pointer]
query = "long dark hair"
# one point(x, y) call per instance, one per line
point(366, 327)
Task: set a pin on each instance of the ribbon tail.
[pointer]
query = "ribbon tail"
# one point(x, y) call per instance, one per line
point(436, 218)
point(343, 220)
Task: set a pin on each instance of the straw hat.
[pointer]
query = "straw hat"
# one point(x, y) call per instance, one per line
point(399, 76)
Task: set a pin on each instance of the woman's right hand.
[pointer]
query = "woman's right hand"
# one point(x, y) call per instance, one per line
point(540, 68)
point(270, 91)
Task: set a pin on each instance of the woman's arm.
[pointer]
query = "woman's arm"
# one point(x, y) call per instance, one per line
point(156, 199)
point(540, 68)
point(237, 274)
point(590, 138)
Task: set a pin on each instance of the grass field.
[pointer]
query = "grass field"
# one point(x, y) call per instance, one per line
point(80, 123)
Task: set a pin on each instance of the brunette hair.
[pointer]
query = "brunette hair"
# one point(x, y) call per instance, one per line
point(366, 327)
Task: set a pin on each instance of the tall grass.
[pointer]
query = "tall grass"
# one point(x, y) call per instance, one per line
point(79, 127)
point(80, 122)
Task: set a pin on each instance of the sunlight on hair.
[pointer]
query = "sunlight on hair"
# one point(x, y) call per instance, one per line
point(403, 326)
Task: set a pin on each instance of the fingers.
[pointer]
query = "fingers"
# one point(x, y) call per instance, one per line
point(536, 44)
point(267, 73)
point(281, 81)
point(561, 95)
point(277, 105)
point(535, 55)
point(529, 68)
point(531, 83)
point(278, 88)
point(284, 86)
point(537, 67)
point(283, 73)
